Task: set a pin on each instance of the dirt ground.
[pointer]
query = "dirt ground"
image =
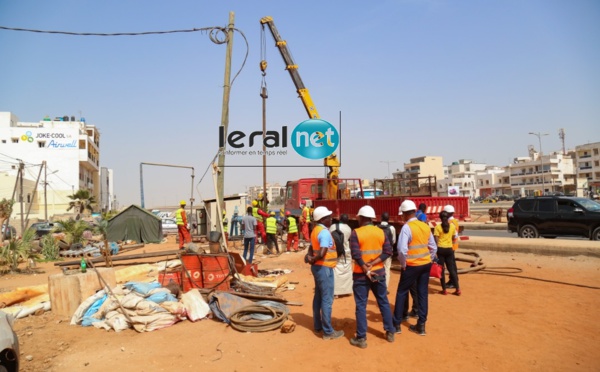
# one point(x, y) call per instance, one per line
point(546, 319)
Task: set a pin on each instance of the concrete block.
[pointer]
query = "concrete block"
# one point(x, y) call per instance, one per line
point(67, 292)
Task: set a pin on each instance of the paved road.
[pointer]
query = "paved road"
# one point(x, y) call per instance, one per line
point(506, 234)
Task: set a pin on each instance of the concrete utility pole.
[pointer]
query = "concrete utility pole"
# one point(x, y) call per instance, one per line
point(539, 136)
point(225, 111)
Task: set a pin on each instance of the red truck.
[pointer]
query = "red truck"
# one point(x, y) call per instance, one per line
point(314, 192)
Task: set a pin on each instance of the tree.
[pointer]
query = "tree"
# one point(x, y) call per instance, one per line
point(80, 201)
point(5, 209)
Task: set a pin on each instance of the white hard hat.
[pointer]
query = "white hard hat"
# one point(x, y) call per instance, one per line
point(407, 205)
point(449, 209)
point(367, 211)
point(321, 212)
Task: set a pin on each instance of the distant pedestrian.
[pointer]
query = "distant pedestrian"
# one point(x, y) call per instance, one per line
point(416, 250)
point(370, 248)
point(390, 233)
point(305, 221)
point(322, 257)
point(249, 227)
point(450, 210)
point(272, 234)
point(421, 215)
point(183, 231)
point(343, 269)
point(445, 234)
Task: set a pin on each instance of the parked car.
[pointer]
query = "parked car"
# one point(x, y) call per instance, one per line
point(9, 344)
point(169, 226)
point(43, 228)
point(552, 216)
point(8, 233)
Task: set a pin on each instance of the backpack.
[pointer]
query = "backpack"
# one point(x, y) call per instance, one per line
point(388, 233)
point(338, 238)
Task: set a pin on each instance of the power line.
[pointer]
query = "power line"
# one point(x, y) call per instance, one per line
point(112, 34)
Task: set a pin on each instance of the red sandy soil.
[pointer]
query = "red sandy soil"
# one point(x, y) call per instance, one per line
point(544, 320)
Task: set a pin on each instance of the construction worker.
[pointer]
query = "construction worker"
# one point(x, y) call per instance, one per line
point(322, 257)
point(182, 225)
point(292, 232)
point(305, 221)
point(225, 221)
point(370, 247)
point(450, 210)
point(416, 250)
point(263, 202)
point(260, 226)
point(272, 233)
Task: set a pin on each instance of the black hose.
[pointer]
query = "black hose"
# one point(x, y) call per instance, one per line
point(240, 322)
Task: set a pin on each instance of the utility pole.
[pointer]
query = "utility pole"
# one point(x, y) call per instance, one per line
point(21, 171)
point(225, 110)
point(388, 166)
point(45, 191)
point(539, 136)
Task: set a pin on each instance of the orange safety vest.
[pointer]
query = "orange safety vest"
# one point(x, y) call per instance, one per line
point(370, 240)
point(330, 259)
point(455, 244)
point(418, 252)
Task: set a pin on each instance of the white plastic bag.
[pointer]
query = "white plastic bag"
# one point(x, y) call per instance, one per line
point(195, 305)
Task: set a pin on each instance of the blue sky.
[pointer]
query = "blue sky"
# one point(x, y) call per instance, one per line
point(459, 79)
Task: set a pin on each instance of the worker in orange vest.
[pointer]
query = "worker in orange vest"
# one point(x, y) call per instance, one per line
point(416, 250)
point(182, 225)
point(370, 247)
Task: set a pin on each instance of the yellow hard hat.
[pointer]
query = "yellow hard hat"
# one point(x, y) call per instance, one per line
point(254, 203)
point(272, 213)
point(224, 213)
point(260, 196)
point(182, 202)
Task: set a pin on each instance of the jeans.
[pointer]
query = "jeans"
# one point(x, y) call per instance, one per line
point(361, 295)
point(412, 274)
point(323, 299)
point(272, 239)
point(446, 258)
point(248, 243)
point(235, 221)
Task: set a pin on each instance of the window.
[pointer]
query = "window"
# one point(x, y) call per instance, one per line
point(526, 205)
point(546, 205)
point(566, 206)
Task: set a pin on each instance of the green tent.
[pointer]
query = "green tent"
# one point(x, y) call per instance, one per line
point(134, 223)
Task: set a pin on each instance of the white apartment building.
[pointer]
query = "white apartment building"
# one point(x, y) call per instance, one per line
point(544, 174)
point(275, 192)
point(69, 147)
point(108, 199)
point(493, 181)
point(587, 163)
point(461, 175)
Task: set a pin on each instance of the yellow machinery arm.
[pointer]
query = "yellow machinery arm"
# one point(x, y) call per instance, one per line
point(331, 161)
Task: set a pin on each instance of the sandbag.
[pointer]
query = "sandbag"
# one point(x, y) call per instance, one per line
point(195, 305)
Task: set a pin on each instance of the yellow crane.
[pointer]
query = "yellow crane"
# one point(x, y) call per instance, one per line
point(331, 161)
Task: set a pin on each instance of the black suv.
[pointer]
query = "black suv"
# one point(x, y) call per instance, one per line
point(552, 216)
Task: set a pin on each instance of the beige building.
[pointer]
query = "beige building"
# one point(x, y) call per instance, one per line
point(587, 163)
point(545, 174)
point(421, 168)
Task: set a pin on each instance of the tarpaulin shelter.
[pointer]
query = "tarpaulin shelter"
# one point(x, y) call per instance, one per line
point(135, 223)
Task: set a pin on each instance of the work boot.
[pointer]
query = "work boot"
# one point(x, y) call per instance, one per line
point(413, 314)
point(398, 329)
point(418, 329)
point(389, 336)
point(360, 342)
point(334, 335)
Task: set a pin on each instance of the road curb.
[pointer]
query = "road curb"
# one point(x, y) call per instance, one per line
point(546, 247)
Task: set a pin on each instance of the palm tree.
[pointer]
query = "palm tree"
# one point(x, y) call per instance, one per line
point(5, 209)
point(80, 201)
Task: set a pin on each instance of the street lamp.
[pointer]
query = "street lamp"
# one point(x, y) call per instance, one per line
point(45, 191)
point(388, 166)
point(539, 136)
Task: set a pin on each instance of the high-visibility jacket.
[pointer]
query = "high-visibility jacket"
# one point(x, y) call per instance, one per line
point(454, 221)
point(256, 215)
point(418, 251)
point(271, 225)
point(330, 259)
point(292, 226)
point(306, 214)
point(370, 240)
point(180, 217)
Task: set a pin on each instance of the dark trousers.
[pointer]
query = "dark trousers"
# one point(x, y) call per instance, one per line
point(415, 299)
point(361, 288)
point(272, 238)
point(446, 258)
point(412, 274)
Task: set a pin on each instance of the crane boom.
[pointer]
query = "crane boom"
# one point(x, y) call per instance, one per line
point(331, 161)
